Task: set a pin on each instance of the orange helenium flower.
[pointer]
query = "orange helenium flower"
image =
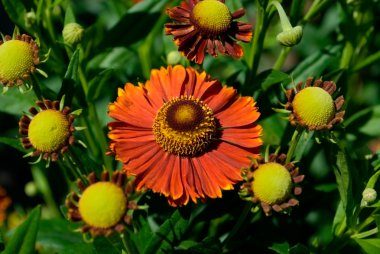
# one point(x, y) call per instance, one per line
point(183, 134)
point(207, 25)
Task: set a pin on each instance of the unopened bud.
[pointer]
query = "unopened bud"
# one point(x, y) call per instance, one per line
point(290, 38)
point(72, 34)
point(369, 195)
point(173, 57)
point(30, 18)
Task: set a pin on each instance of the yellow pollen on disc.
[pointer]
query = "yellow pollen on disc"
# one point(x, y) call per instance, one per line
point(102, 204)
point(271, 183)
point(16, 59)
point(211, 17)
point(48, 130)
point(184, 126)
point(185, 115)
point(314, 106)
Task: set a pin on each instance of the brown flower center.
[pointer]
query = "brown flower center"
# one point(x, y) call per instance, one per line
point(211, 17)
point(184, 126)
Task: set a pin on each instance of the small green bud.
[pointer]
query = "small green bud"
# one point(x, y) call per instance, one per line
point(72, 34)
point(290, 38)
point(369, 195)
point(173, 57)
point(30, 18)
point(31, 189)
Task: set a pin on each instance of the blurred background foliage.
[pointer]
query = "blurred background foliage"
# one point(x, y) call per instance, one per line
point(123, 41)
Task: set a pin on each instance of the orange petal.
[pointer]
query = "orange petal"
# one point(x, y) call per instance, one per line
point(241, 112)
point(217, 101)
point(246, 137)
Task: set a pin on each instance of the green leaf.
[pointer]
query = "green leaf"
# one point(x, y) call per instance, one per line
point(69, 15)
point(2, 246)
point(269, 78)
point(16, 12)
point(98, 84)
point(105, 245)
point(13, 142)
point(366, 121)
point(170, 232)
point(343, 174)
point(370, 246)
point(136, 24)
point(15, 103)
point(209, 245)
point(24, 238)
point(70, 79)
point(299, 249)
point(58, 236)
point(316, 63)
point(280, 248)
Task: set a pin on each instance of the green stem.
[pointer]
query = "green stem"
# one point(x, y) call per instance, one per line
point(43, 186)
point(240, 222)
point(36, 87)
point(366, 233)
point(366, 62)
point(127, 246)
point(369, 220)
point(315, 8)
point(83, 121)
point(100, 136)
point(97, 130)
point(257, 31)
point(293, 144)
point(281, 58)
point(347, 54)
point(73, 167)
point(285, 24)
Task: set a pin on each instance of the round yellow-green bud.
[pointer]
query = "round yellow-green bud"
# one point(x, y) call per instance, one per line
point(211, 17)
point(369, 195)
point(291, 37)
point(314, 106)
point(72, 34)
point(271, 183)
point(31, 189)
point(48, 130)
point(16, 59)
point(173, 57)
point(102, 204)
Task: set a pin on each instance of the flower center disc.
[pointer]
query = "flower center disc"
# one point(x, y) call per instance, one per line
point(184, 126)
point(102, 204)
point(314, 106)
point(271, 183)
point(16, 59)
point(211, 17)
point(48, 130)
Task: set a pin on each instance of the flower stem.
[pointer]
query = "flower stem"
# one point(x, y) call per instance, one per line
point(257, 44)
point(366, 233)
point(315, 8)
point(285, 24)
point(97, 130)
point(293, 144)
point(281, 58)
point(43, 186)
point(73, 166)
point(240, 222)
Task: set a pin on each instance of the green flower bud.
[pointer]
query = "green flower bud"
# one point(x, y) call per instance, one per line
point(30, 18)
point(173, 57)
point(72, 34)
point(369, 195)
point(290, 38)
point(290, 35)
